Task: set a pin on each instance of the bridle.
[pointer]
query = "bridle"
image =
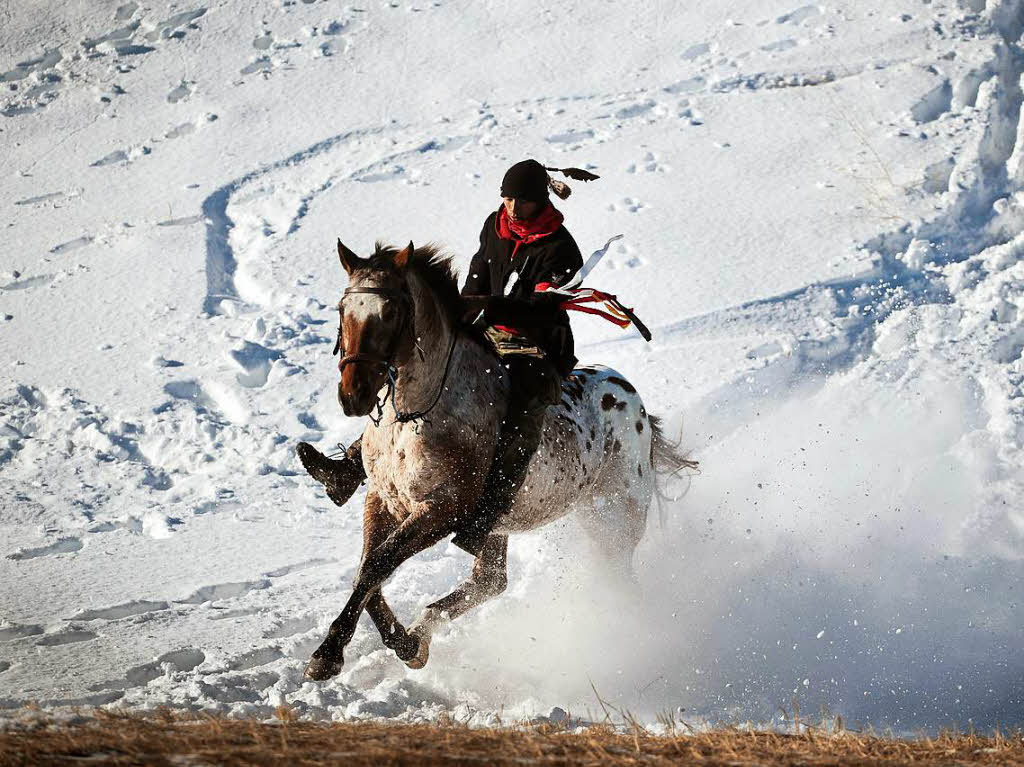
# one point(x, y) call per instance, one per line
point(388, 362)
point(397, 295)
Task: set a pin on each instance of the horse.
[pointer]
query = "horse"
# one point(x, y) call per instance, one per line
point(438, 392)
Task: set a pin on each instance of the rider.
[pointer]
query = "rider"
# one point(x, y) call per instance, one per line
point(522, 245)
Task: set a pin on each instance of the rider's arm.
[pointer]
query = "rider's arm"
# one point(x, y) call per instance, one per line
point(539, 309)
point(522, 313)
point(562, 263)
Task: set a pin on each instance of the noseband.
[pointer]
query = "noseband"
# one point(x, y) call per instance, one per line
point(388, 362)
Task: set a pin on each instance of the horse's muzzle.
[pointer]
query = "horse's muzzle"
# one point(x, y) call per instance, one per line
point(357, 399)
point(348, 407)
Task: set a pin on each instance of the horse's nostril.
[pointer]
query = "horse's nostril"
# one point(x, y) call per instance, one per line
point(354, 396)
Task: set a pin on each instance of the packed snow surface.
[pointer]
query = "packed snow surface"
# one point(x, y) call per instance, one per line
point(822, 210)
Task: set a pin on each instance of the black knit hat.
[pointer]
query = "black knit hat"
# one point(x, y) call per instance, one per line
point(526, 180)
point(529, 180)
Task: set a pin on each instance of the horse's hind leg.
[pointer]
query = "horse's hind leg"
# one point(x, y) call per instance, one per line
point(615, 523)
point(392, 633)
point(489, 579)
point(425, 527)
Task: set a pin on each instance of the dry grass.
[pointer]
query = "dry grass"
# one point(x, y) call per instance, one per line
point(167, 738)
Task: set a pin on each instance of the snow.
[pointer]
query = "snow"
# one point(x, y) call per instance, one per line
point(822, 211)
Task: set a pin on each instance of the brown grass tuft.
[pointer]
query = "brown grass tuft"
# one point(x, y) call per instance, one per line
point(169, 738)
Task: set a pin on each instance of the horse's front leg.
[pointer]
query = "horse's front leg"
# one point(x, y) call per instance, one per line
point(378, 524)
point(423, 528)
point(488, 580)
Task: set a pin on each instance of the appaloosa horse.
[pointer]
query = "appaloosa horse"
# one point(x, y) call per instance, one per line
point(438, 391)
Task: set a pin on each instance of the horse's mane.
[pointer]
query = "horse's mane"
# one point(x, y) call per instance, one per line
point(433, 267)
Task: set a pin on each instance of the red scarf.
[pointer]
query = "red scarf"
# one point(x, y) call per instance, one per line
point(529, 230)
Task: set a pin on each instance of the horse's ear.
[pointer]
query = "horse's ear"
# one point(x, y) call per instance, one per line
point(402, 256)
point(349, 260)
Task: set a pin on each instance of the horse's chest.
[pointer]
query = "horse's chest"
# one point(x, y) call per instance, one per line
point(410, 466)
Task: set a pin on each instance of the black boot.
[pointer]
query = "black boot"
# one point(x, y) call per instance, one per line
point(535, 384)
point(518, 442)
point(341, 477)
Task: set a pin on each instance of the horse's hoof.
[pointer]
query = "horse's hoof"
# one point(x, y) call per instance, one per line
point(318, 669)
point(419, 660)
point(408, 649)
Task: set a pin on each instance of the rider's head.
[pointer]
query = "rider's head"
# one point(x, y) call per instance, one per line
point(524, 189)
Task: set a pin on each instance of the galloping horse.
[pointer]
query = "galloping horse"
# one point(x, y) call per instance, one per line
point(438, 392)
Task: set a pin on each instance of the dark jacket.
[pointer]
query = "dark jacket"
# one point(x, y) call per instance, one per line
point(555, 259)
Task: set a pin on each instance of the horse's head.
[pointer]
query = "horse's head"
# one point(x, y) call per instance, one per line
point(376, 310)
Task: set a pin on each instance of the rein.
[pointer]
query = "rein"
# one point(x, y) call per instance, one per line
point(388, 362)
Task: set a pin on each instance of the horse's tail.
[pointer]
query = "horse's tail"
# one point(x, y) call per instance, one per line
point(668, 460)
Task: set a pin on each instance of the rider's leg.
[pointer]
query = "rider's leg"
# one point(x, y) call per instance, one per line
point(535, 384)
point(341, 477)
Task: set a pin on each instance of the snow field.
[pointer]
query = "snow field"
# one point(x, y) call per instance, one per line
point(821, 208)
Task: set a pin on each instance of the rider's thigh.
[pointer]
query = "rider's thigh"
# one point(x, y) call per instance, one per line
point(535, 381)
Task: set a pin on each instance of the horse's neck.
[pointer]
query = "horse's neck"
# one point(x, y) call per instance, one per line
point(450, 366)
point(456, 386)
point(421, 374)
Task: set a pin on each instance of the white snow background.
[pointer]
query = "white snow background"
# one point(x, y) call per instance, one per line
point(822, 209)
